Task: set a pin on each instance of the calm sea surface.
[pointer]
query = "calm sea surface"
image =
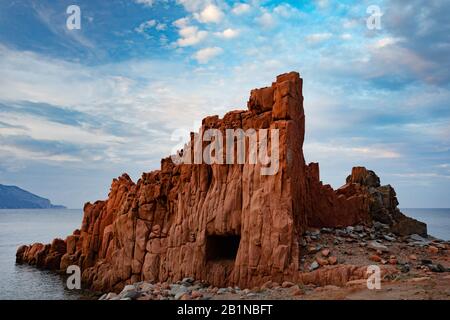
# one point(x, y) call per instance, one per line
point(437, 220)
point(19, 227)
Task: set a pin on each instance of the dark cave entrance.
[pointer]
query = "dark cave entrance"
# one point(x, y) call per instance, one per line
point(219, 248)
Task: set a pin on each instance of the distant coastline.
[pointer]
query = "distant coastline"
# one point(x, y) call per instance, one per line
point(13, 197)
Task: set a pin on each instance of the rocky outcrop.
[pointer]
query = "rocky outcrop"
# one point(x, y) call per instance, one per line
point(227, 224)
point(383, 202)
point(334, 208)
point(45, 256)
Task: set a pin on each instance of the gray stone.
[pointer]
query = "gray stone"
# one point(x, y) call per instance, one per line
point(354, 235)
point(196, 287)
point(179, 295)
point(326, 230)
point(377, 246)
point(418, 244)
point(222, 290)
point(388, 238)
point(129, 287)
point(440, 245)
point(416, 237)
point(405, 268)
point(131, 294)
point(112, 296)
point(176, 288)
point(146, 287)
point(188, 280)
point(437, 267)
point(314, 266)
point(380, 226)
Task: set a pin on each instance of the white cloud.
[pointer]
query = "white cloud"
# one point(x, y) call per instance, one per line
point(193, 5)
point(322, 4)
point(351, 23)
point(161, 26)
point(206, 54)
point(50, 18)
point(50, 80)
point(318, 37)
point(40, 129)
point(127, 93)
point(321, 150)
point(266, 20)
point(148, 3)
point(210, 14)
point(421, 175)
point(21, 153)
point(387, 41)
point(240, 8)
point(388, 58)
point(181, 23)
point(346, 36)
point(189, 35)
point(286, 11)
point(228, 33)
point(145, 25)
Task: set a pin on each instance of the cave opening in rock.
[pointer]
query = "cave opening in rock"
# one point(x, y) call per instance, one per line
point(222, 247)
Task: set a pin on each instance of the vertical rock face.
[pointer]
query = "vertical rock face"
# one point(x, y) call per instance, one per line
point(228, 224)
point(334, 208)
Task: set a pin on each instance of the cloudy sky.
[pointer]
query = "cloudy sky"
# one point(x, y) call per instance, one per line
point(79, 107)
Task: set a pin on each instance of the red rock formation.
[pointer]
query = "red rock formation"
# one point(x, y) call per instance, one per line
point(224, 223)
point(340, 275)
point(382, 205)
point(329, 208)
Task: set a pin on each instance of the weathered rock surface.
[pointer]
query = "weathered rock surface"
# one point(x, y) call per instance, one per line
point(222, 223)
point(382, 202)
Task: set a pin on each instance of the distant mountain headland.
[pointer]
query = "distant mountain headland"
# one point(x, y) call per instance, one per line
point(12, 197)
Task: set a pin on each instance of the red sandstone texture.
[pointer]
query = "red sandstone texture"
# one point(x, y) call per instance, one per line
point(226, 224)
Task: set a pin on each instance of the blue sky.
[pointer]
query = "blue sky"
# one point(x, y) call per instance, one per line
point(79, 107)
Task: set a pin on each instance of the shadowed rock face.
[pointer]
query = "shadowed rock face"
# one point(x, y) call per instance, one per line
point(223, 223)
point(383, 203)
